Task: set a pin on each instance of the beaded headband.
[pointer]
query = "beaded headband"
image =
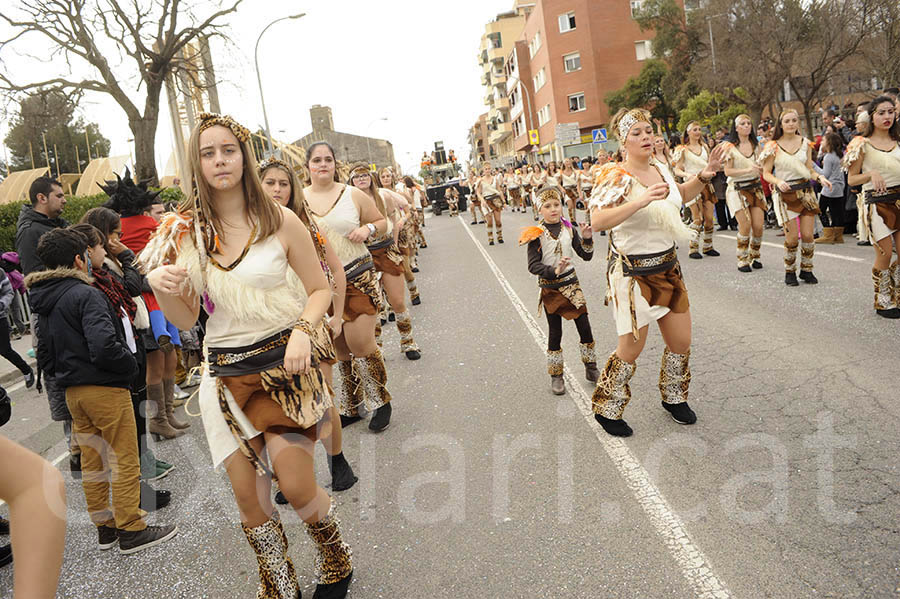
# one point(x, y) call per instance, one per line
point(210, 119)
point(548, 193)
point(631, 118)
point(270, 162)
point(360, 170)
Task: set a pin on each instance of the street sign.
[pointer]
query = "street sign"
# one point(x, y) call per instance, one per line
point(533, 137)
point(568, 133)
point(599, 136)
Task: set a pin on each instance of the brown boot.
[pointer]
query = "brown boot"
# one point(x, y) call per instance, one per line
point(826, 237)
point(837, 233)
point(557, 384)
point(589, 359)
point(169, 390)
point(159, 423)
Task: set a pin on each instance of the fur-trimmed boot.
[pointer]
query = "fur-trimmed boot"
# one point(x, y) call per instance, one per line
point(807, 251)
point(755, 247)
point(277, 578)
point(414, 298)
point(885, 294)
point(490, 233)
point(334, 562)
point(373, 375)
point(612, 394)
point(589, 359)
point(708, 249)
point(555, 367)
point(674, 381)
point(790, 265)
point(169, 389)
point(895, 281)
point(743, 253)
point(697, 226)
point(350, 394)
point(407, 343)
point(499, 233)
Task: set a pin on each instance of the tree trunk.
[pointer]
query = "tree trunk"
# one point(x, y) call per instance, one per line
point(144, 131)
point(807, 110)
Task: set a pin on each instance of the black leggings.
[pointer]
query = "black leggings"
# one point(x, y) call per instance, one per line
point(6, 349)
point(834, 207)
point(554, 337)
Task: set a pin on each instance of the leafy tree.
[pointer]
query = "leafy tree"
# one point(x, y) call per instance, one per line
point(645, 91)
point(52, 113)
point(711, 110)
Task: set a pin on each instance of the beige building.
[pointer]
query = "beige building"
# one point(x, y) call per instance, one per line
point(478, 142)
point(497, 41)
point(348, 147)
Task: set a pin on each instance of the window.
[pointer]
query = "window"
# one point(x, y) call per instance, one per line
point(519, 126)
point(544, 115)
point(539, 80)
point(567, 22)
point(514, 98)
point(576, 102)
point(572, 62)
point(636, 6)
point(643, 50)
point(535, 44)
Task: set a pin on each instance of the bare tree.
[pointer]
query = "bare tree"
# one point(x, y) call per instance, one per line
point(881, 49)
point(144, 35)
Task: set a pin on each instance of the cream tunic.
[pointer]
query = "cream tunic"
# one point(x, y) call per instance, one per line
point(337, 223)
point(553, 250)
point(693, 163)
point(888, 166)
point(787, 167)
point(741, 162)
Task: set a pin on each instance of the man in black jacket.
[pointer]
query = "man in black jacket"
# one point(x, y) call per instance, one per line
point(89, 355)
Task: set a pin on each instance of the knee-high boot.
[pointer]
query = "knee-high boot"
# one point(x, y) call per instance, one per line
point(807, 251)
point(277, 578)
point(697, 226)
point(334, 561)
point(499, 233)
point(755, 247)
point(895, 281)
point(490, 232)
point(885, 293)
point(373, 374)
point(414, 298)
point(555, 366)
point(612, 394)
point(708, 248)
point(159, 422)
point(743, 253)
point(407, 343)
point(169, 389)
point(589, 359)
point(674, 382)
point(790, 264)
point(350, 393)
point(378, 332)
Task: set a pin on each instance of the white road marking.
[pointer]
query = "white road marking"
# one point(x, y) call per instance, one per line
point(694, 565)
point(818, 251)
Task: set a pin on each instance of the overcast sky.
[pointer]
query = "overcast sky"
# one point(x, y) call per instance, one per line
point(411, 61)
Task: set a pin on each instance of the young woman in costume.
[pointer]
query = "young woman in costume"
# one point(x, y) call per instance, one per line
point(492, 203)
point(474, 202)
point(568, 178)
point(262, 393)
point(873, 161)
point(689, 159)
point(538, 180)
point(387, 258)
point(551, 247)
point(402, 236)
point(744, 192)
point(639, 202)
point(348, 218)
point(514, 189)
point(280, 181)
point(788, 166)
point(452, 198)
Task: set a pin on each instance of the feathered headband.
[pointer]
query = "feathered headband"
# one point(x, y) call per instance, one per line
point(210, 119)
point(360, 170)
point(272, 161)
point(631, 118)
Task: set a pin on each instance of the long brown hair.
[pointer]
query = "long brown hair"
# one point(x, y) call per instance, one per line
point(373, 188)
point(894, 131)
point(258, 205)
point(779, 129)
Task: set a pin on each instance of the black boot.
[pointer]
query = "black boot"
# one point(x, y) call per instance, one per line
point(790, 279)
point(342, 476)
point(807, 276)
point(75, 465)
point(382, 418)
point(616, 428)
point(152, 500)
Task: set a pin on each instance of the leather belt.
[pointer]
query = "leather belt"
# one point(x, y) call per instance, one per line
point(646, 264)
point(358, 266)
point(566, 278)
point(891, 195)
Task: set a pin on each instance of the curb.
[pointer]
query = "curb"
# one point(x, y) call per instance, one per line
point(14, 375)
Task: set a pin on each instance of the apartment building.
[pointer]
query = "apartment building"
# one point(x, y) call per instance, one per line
point(498, 39)
point(479, 147)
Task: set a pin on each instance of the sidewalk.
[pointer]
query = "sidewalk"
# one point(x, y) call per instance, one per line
point(9, 374)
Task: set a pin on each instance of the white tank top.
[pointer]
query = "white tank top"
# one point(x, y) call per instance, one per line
point(792, 167)
point(569, 180)
point(886, 163)
point(488, 189)
point(339, 222)
point(694, 163)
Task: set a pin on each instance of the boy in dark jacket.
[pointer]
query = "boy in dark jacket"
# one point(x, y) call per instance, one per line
point(88, 354)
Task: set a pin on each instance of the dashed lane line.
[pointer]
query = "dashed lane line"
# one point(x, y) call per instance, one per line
point(818, 251)
point(694, 565)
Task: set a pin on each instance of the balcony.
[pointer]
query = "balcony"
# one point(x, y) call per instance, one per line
point(496, 55)
point(498, 78)
point(502, 131)
point(488, 97)
point(485, 78)
point(501, 103)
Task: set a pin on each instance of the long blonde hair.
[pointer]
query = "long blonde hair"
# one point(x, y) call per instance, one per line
point(263, 210)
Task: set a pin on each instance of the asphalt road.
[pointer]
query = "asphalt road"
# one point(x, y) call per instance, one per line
point(486, 485)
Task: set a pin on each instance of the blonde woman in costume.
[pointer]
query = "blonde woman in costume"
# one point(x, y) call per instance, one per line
point(527, 187)
point(744, 192)
point(551, 247)
point(514, 188)
point(788, 166)
point(639, 202)
point(280, 181)
point(348, 218)
point(689, 159)
point(261, 394)
point(568, 178)
point(474, 202)
point(490, 199)
point(873, 161)
point(387, 258)
point(402, 235)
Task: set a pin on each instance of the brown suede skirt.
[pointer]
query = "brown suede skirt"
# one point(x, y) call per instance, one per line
point(388, 260)
point(555, 302)
point(665, 289)
point(708, 194)
point(754, 198)
point(802, 201)
point(889, 213)
point(363, 296)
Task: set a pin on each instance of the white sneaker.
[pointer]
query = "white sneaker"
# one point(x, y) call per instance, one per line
point(179, 394)
point(193, 380)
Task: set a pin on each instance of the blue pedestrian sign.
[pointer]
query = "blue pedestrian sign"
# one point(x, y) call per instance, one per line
point(599, 136)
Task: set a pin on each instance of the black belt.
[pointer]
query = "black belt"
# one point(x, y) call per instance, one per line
point(566, 278)
point(747, 185)
point(249, 359)
point(798, 185)
point(645, 264)
point(891, 195)
point(358, 267)
point(491, 197)
point(380, 245)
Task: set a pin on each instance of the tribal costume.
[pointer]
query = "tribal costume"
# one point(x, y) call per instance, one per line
point(570, 186)
point(560, 294)
point(693, 164)
point(493, 203)
point(745, 193)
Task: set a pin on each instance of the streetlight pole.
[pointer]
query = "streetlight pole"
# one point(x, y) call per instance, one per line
point(259, 78)
point(368, 144)
point(712, 50)
point(528, 106)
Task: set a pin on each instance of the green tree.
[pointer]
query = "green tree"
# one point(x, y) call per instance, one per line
point(645, 91)
point(712, 110)
point(50, 114)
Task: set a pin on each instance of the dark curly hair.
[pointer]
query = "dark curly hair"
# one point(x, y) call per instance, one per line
point(128, 198)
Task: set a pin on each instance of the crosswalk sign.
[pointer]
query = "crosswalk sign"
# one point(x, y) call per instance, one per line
point(533, 137)
point(599, 136)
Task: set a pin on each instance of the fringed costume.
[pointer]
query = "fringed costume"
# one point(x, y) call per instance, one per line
point(570, 186)
point(493, 202)
point(745, 193)
point(695, 163)
point(561, 295)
